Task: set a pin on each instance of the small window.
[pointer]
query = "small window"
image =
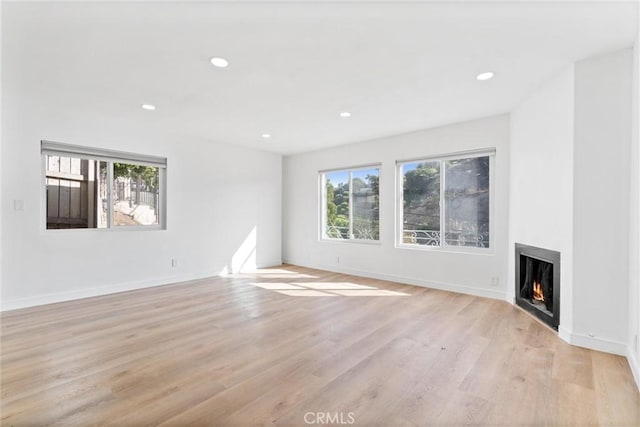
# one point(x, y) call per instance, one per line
point(350, 204)
point(94, 188)
point(445, 201)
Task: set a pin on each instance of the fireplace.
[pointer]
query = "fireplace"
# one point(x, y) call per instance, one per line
point(538, 283)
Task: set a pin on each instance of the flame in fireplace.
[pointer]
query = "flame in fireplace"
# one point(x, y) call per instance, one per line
point(537, 292)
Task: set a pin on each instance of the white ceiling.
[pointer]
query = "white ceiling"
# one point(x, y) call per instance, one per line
point(397, 67)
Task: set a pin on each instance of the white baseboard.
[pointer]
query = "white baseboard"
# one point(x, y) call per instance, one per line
point(593, 343)
point(268, 264)
point(112, 289)
point(102, 290)
point(462, 289)
point(604, 345)
point(564, 334)
point(633, 364)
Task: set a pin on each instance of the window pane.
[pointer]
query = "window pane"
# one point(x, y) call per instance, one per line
point(467, 202)
point(337, 213)
point(421, 203)
point(365, 202)
point(103, 196)
point(75, 189)
point(135, 194)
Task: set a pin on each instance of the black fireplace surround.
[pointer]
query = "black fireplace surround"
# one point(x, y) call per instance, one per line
point(538, 283)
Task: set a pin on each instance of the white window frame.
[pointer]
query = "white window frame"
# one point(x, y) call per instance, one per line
point(50, 148)
point(443, 247)
point(322, 182)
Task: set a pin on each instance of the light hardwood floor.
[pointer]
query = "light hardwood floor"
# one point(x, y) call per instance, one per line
point(272, 346)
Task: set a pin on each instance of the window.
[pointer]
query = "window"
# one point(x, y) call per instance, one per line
point(95, 188)
point(445, 201)
point(350, 204)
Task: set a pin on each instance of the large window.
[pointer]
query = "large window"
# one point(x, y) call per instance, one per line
point(445, 201)
point(94, 188)
point(350, 204)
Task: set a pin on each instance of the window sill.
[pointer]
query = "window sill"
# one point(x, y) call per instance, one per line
point(352, 241)
point(105, 230)
point(470, 250)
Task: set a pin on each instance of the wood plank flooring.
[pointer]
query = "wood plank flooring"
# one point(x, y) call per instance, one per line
point(295, 346)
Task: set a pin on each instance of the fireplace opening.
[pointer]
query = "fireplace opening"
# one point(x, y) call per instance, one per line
point(538, 283)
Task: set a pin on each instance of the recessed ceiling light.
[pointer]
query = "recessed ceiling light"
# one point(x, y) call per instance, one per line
point(345, 114)
point(485, 76)
point(219, 62)
point(266, 135)
point(148, 107)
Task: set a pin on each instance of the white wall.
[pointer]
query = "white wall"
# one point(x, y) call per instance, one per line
point(463, 272)
point(541, 180)
point(217, 194)
point(220, 198)
point(634, 224)
point(570, 178)
point(1, 144)
point(601, 197)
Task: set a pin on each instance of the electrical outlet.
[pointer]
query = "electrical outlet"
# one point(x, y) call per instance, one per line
point(174, 262)
point(337, 260)
point(18, 205)
point(495, 281)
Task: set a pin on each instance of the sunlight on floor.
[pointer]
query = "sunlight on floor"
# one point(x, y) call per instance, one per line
point(306, 293)
point(275, 286)
point(273, 273)
point(332, 285)
point(326, 289)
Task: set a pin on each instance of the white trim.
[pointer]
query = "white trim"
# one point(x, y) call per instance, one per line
point(451, 287)
point(162, 199)
point(468, 250)
point(101, 290)
point(481, 152)
point(351, 203)
point(355, 241)
point(62, 149)
point(43, 195)
point(323, 203)
point(633, 364)
point(352, 168)
point(269, 264)
point(116, 229)
point(593, 343)
point(109, 188)
point(442, 204)
point(492, 201)
point(563, 333)
point(113, 289)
